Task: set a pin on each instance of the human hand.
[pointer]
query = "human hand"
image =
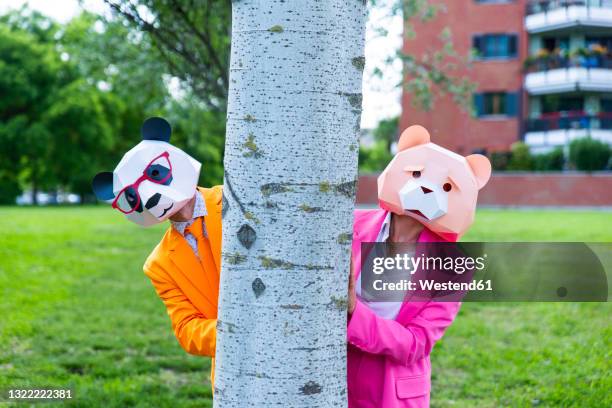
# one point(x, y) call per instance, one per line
point(352, 297)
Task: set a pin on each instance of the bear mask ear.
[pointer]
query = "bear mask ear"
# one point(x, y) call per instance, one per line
point(156, 129)
point(481, 167)
point(102, 186)
point(413, 136)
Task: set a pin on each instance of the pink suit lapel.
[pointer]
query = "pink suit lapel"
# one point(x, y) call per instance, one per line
point(366, 227)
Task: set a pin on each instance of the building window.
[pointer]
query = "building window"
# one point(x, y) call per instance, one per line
point(553, 44)
point(605, 105)
point(495, 46)
point(559, 103)
point(496, 104)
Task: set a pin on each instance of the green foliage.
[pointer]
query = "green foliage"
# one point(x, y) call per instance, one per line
point(375, 158)
point(387, 131)
point(500, 160)
point(435, 73)
point(551, 161)
point(77, 311)
point(589, 154)
point(193, 41)
point(520, 159)
point(9, 188)
point(30, 75)
point(121, 82)
point(201, 133)
point(81, 123)
point(75, 96)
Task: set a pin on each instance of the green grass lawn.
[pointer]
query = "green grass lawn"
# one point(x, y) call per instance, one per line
point(78, 312)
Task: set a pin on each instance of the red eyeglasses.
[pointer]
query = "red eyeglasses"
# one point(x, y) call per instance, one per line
point(158, 171)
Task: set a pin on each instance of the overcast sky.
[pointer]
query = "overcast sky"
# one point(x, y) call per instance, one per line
point(381, 98)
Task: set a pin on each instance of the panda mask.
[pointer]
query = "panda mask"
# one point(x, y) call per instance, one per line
point(153, 180)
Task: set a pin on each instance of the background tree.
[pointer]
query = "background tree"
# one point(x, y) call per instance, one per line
point(74, 98)
point(29, 73)
point(192, 41)
point(375, 158)
point(192, 37)
point(82, 121)
point(434, 73)
point(121, 80)
point(290, 173)
point(387, 132)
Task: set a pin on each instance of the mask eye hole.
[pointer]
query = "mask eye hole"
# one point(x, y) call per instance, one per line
point(416, 174)
point(131, 196)
point(447, 187)
point(158, 172)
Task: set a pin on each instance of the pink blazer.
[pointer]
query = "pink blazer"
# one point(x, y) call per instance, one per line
point(388, 360)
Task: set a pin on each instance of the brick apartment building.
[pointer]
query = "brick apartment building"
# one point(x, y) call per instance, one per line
point(543, 70)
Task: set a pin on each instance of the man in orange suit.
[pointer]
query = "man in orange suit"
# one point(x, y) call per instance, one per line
point(154, 182)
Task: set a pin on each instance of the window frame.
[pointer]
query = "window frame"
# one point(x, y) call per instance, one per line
point(480, 38)
point(510, 102)
point(494, 1)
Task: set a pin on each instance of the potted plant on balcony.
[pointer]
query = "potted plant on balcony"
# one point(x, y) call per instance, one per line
point(598, 52)
point(542, 59)
point(529, 63)
point(578, 57)
point(559, 57)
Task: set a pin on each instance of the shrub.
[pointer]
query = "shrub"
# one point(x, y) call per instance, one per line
point(9, 190)
point(500, 160)
point(589, 154)
point(520, 159)
point(551, 161)
point(375, 158)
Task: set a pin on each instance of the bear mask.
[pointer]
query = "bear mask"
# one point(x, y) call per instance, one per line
point(437, 187)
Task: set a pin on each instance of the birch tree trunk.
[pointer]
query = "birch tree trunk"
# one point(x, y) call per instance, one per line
point(290, 175)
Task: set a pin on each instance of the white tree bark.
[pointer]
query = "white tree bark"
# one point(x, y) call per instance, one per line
point(290, 175)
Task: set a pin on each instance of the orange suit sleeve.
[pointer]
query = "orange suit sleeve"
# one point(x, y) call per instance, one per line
point(194, 332)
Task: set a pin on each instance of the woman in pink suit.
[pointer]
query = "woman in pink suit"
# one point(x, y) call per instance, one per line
point(426, 194)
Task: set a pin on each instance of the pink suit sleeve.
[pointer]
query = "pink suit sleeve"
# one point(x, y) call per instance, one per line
point(405, 344)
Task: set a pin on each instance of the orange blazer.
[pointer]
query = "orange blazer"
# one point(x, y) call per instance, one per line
point(188, 286)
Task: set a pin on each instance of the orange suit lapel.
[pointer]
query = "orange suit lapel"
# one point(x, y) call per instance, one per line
point(190, 275)
point(200, 280)
point(213, 227)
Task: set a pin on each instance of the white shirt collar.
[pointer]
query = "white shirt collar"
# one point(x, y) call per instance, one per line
point(199, 210)
point(385, 229)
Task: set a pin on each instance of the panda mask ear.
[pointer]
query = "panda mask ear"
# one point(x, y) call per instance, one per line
point(102, 186)
point(156, 129)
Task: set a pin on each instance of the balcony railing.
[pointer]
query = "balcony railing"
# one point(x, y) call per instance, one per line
point(537, 64)
point(542, 6)
point(570, 120)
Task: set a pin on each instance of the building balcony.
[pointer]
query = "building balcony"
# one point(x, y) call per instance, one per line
point(580, 58)
point(558, 129)
point(551, 15)
point(558, 74)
